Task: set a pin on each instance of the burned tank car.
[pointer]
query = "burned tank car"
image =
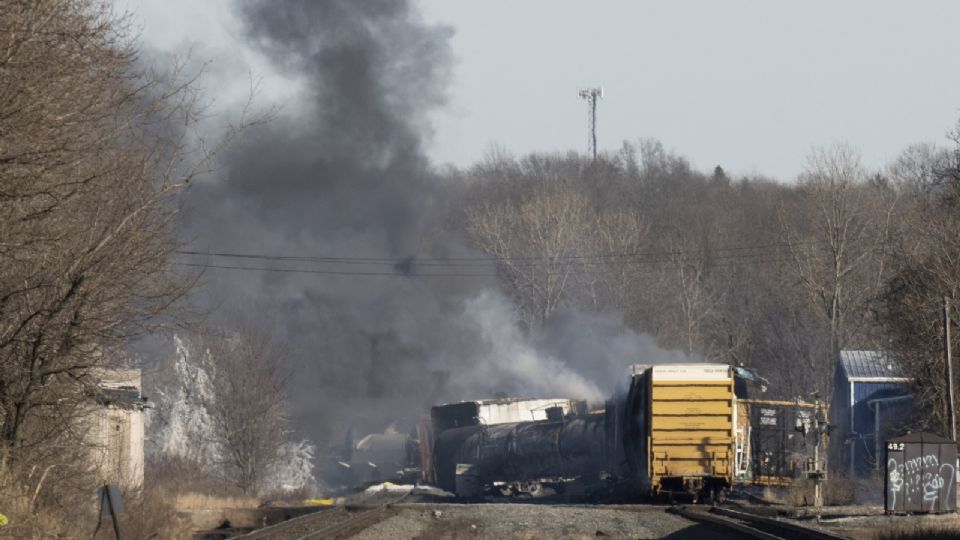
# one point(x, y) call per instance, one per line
point(489, 412)
point(472, 458)
point(670, 431)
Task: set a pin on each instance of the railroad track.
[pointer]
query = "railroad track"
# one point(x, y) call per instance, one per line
point(752, 525)
point(334, 522)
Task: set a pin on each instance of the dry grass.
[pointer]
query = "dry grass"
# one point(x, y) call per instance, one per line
point(799, 493)
point(836, 491)
point(918, 532)
point(185, 502)
point(149, 516)
point(45, 499)
point(839, 490)
point(71, 515)
point(58, 500)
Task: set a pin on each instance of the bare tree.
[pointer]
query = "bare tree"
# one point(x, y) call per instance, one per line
point(838, 230)
point(535, 242)
point(93, 156)
point(748, 270)
point(929, 252)
point(247, 403)
point(614, 281)
point(695, 298)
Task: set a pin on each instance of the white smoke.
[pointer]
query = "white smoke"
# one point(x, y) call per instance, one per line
point(601, 346)
point(576, 355)
point(508, 357)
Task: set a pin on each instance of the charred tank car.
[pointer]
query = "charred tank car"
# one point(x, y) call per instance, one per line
point(520, 457)
point(480, 434)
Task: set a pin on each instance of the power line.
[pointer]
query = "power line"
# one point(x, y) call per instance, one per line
point(399, 273)
point(326, 272)
point(402, 268)
point(714, 253)
point(481, 259)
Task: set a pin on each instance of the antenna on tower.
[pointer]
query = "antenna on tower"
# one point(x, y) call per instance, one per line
point(591, 95)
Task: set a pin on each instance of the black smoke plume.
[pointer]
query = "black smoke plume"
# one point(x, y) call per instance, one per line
point(340, 173)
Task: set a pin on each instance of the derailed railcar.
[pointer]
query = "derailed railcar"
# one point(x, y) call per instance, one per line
point(776, 441)
point(461, 416)
point(678, 434)
point(670, 432)
point(571, 448)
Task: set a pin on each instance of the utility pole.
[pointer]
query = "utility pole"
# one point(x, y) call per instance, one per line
point(591, 95)
point(817, 467)
point(948, 361)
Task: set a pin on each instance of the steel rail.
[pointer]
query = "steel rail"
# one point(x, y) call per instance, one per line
point(333, 529)
point(700, 514)
point(277, 527)
point(795, 529)
point(324, 531)
point(754, 526)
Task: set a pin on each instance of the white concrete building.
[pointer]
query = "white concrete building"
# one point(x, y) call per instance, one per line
point(116, 431)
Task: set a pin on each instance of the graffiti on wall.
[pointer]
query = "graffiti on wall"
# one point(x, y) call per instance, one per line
point(922, 480)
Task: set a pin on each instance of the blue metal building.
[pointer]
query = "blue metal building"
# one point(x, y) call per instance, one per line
point(873, 380)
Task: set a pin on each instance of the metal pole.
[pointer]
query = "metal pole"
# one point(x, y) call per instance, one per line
point(948, 360)
point(593, 125)
point(817, 493)
point(821, 470)
point(113, 513)
point(591, 95)
point(876, 437)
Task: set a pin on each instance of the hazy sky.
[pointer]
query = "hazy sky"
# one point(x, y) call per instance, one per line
point(749, 85)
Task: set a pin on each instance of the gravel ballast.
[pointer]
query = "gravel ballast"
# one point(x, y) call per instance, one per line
point(534, 521)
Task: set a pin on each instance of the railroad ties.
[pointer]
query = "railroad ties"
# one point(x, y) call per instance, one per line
point(752, 525)
point(334, 522)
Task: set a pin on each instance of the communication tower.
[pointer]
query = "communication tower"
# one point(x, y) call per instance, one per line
point(591, 95)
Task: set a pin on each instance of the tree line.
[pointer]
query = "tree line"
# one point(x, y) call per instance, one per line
point(777, 276)
point(96, 151)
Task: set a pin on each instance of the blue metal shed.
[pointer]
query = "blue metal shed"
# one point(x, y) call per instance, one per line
point(860, 375)
point(865, 372)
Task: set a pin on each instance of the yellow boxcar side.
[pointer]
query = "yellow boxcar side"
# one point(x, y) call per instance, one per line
point(690, 427)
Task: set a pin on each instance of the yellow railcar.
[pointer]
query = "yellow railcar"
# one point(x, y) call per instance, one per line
point(684, 432)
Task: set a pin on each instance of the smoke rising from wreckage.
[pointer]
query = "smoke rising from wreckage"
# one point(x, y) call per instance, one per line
point(516, 291)
point(345, 172)
point(690, 430)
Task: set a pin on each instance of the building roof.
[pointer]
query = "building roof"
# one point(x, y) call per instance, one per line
point(869, 365)
point(922, 438)
point(123, 398)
